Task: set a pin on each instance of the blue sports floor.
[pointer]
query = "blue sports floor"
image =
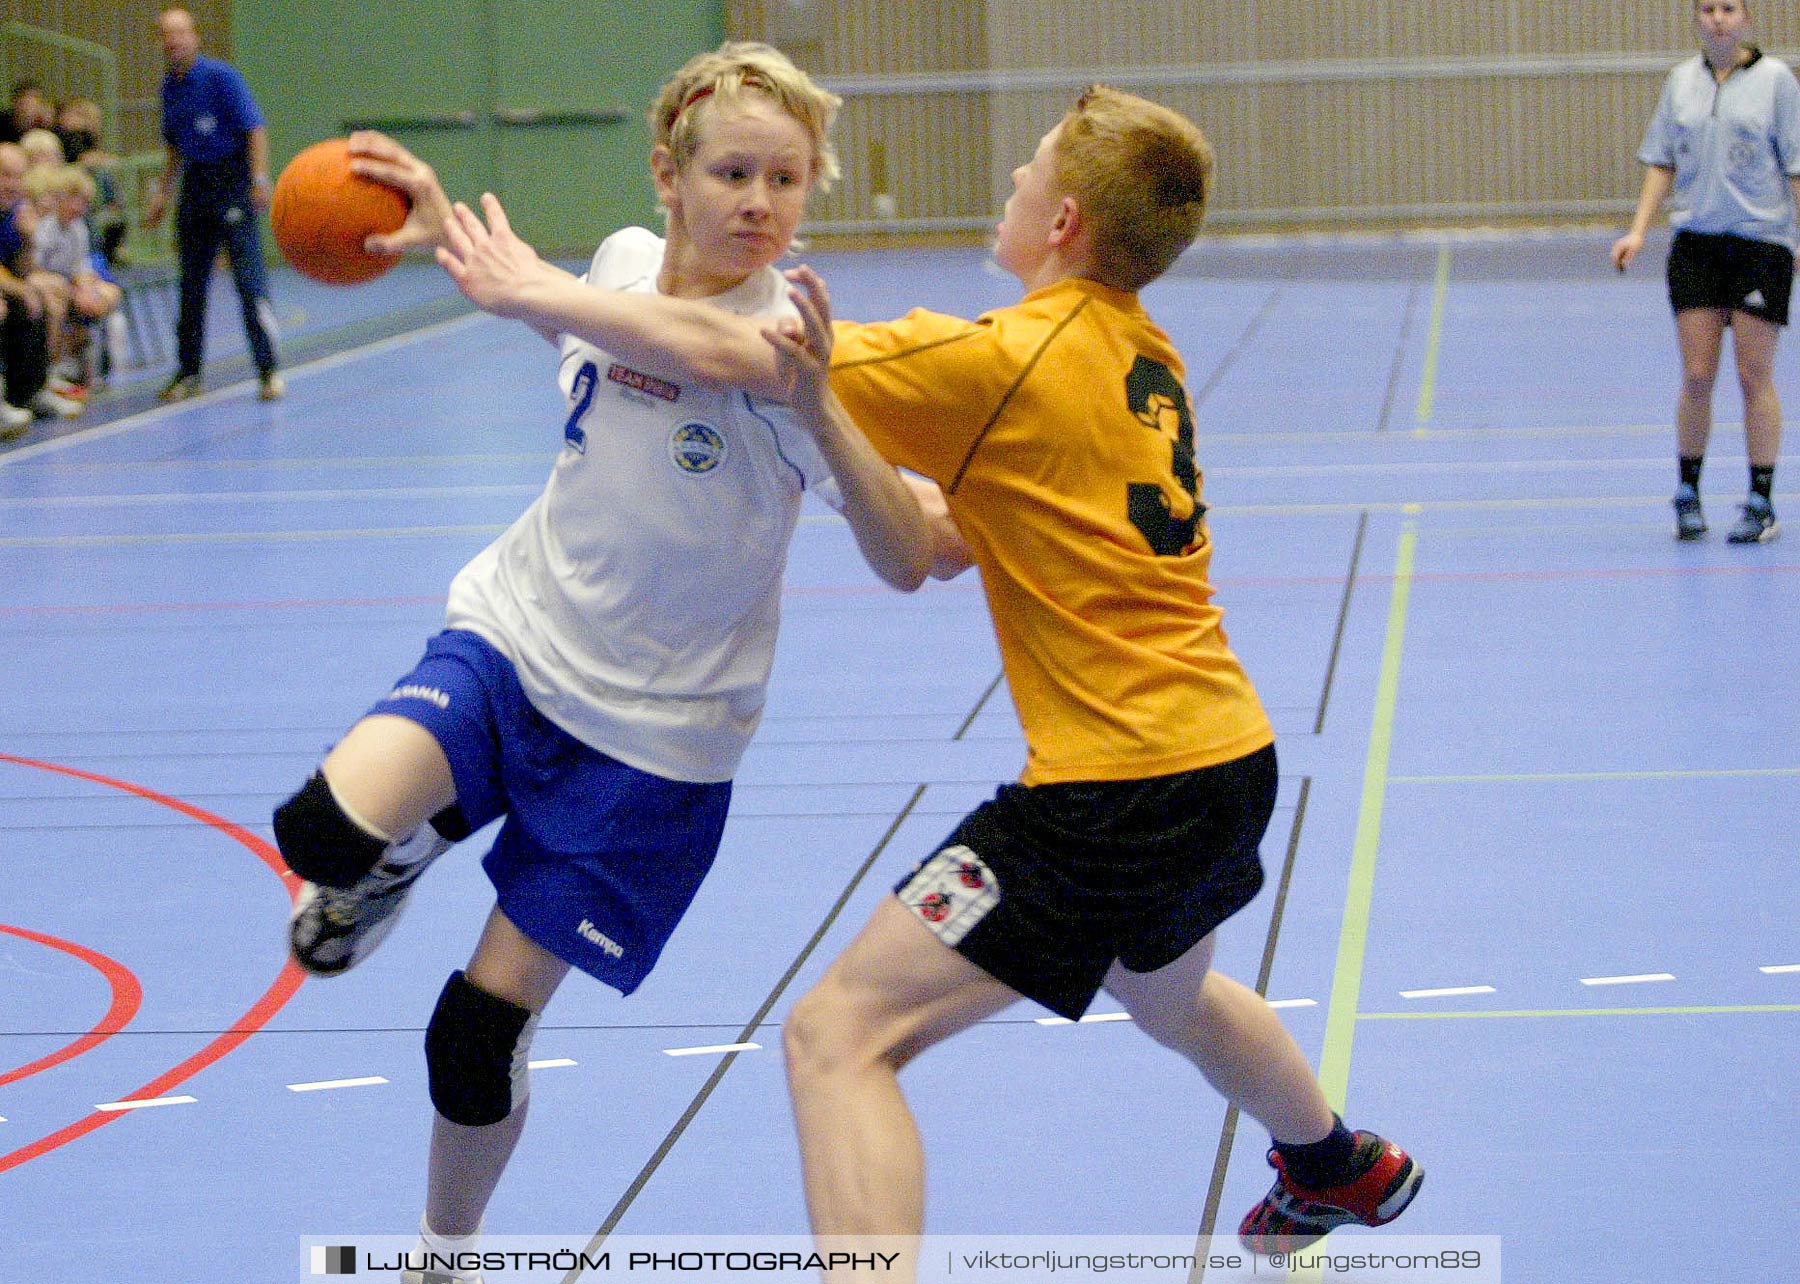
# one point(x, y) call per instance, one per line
point(1534, 751)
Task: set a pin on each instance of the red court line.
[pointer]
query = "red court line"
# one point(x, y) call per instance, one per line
point(272, 1001)
point(127, 996)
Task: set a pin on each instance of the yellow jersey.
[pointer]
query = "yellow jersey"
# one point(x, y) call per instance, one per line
point(1062, 436)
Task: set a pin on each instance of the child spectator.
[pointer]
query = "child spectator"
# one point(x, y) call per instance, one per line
point(78, 124)
point(42, 148)
point(62, 246)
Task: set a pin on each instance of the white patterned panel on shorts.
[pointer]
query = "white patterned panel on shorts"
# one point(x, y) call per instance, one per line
point(951, 893)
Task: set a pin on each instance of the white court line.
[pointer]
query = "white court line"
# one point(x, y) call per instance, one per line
point(1458, 468)
point(194, 498)
point(1628, 980)
point(385, 463)
point(551, 1064)
point(1446, 992)
point(249, 537)
point(1412, 507)
point(239, 389)
point(325, 1085)
point(1779, 969)
point(146, 1104)
point(1097, 1019)
point(717, 1047)
point(1293, 1003)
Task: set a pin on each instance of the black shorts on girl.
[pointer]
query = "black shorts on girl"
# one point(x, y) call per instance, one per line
point(1708, 270)
point(1044, 886)
point(597, 861)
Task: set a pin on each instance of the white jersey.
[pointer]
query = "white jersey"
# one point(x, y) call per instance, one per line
point(638, 597)
point(62, 248)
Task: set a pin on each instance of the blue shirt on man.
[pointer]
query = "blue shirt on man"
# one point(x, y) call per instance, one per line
point(208, 113)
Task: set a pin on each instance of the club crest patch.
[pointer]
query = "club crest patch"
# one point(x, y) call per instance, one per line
point(951, 893)
point(697, 448)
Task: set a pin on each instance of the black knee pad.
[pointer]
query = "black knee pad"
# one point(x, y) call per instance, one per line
point(475, 1053)
point(319, 842)
point(451, 824)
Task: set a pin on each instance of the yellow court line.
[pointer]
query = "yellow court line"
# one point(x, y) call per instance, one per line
point(1583, 776)
point(1353, 935)
point(1730, 1010)
point(1433, 336)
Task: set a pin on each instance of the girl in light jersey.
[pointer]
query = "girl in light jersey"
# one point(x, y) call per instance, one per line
point(1724, 149)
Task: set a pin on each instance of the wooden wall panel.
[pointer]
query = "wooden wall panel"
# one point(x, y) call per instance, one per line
point(1324, 112)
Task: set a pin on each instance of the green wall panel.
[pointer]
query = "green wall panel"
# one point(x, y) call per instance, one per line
point(540, 102)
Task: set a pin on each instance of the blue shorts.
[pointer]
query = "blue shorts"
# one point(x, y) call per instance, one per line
point(597, 861)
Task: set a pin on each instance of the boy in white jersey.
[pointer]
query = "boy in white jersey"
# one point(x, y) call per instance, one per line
point(605, 660)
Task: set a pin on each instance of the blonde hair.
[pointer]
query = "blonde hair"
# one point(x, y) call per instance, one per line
point(1141, 174)
point(42, 147)
point(68, 180)
point(724, 77)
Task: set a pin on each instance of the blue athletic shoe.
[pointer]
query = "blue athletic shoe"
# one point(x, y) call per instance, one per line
point(1690, 522)
point(1757, 525)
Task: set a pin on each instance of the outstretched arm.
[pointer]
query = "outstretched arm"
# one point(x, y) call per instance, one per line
point(884, 512)
point(501, 274)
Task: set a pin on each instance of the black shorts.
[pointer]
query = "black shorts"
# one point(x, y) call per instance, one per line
point(1044, 886)
point(1730, 272)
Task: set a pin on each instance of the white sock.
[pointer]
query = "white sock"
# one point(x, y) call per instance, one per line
point(442, 1248)
point(424, 843)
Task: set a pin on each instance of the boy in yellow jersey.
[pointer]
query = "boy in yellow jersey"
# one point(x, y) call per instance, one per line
point(1060, 433)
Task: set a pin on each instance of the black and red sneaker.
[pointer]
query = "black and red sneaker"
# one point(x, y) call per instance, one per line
point(1292, 1216)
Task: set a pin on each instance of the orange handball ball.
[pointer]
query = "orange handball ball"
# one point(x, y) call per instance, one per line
point(321, 213)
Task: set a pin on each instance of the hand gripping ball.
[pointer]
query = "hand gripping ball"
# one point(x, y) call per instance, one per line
point(321, 213)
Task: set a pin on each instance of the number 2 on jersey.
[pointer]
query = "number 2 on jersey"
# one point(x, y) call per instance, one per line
point(582, 390)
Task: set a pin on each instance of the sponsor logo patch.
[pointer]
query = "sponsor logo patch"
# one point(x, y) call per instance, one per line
point(641, 382)
point(594, 936)
point(697, 448)
point(413, 691)
point(951, 893)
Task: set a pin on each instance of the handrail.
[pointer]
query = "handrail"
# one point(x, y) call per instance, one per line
point(464, 119)
point(529, 116)
point(467, 118)
point(132, 176)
